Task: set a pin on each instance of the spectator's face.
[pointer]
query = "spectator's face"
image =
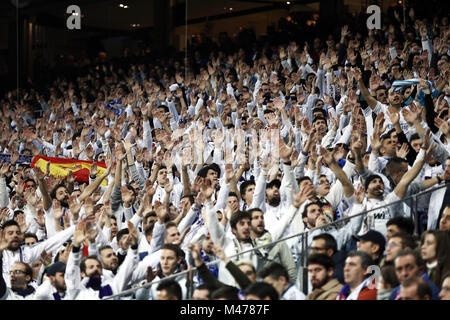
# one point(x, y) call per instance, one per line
point(164, 295)
point(233, 203)
point(318, 246)
point(398, 174)
point(319, 104)
point(394, 138)
point(428, 248)
point(109, 259)
point(172, 234)
point(320, 125)
point(279, 284)
point(353, 271)
point(375, 189)
point(12, 236)
point(306, 183)
point(395, 98)
point(442, 64)
point(391, 229)
point(62, 196)
point(312, 213)
point(415, 144)
point(258, 225)
point(410, 293)
point(367, 246)
point(242, 230)
point(444, 224)
point(406, 267)
point(394, 246)
point(318, 275)
point(58, 281)
point(101, 157)
point(273, 195)
point(93, 268)
point(388, 147)
point(445, 291)
point(162, 176)
point(169, 261)
point(248, 195)
point(31, 185)
point(324, 187)
point(29, 241)
point(248, 271)
point(200, 294)
point(207, 244)
point(18, 278)
point(114, 228)
point(213, 176)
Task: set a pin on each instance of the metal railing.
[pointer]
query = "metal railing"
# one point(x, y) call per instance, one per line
point(304, 244)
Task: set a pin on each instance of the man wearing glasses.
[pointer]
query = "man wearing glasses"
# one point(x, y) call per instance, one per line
point(21, 275)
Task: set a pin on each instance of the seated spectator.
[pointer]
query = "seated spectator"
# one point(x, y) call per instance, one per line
point(169, 290)
point(445, 287)
point(320, 270)
point(387, 282)
point(415, 288)
point(276, 275)
point(397, 243)
point(261, 291)
point(357, 286)
point(373, 243)
point(435, 251)
point(408, 264)
point(202, 292)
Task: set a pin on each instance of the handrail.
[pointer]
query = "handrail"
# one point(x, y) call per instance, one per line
point(271, 244)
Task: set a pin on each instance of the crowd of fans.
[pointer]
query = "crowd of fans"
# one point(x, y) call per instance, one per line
point(197, 162)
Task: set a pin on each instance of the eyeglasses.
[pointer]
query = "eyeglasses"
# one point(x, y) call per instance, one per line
point(392, 245)
point(17, 272)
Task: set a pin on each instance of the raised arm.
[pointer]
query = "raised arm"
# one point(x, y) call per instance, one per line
point(328, 157)
point(89, 190)
point(402, 186)
point(371, 101)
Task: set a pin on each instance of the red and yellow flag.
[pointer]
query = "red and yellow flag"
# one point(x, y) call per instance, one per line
point(60, 168)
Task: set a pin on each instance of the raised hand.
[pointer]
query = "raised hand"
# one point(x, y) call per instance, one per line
point(4, 169)
point(394, 117)
point(359, 194)
point(74, 207)
point(328, 156)
point(442, 125)
point(57, 210)
point(220, 253)
point(402, 151)
point(285, 151)
point(207, 189)
point(79, 235)
point(306, 193)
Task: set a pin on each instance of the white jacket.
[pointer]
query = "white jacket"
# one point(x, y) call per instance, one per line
point(78, 289)
point(29, 254)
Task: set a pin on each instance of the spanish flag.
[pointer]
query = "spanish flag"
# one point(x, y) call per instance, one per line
point(60, 168)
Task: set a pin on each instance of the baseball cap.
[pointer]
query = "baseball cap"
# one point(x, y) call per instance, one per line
point(56, 267)
point(373, 236)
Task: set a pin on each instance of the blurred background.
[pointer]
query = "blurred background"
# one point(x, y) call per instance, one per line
point(36, 44)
